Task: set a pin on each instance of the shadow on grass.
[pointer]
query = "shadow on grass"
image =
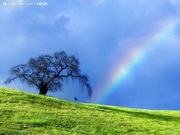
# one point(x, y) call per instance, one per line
point(140, 114)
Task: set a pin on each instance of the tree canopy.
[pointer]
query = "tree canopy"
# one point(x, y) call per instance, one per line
point(48, 72)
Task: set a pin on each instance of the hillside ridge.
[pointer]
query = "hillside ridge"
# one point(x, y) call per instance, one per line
point(27, 113)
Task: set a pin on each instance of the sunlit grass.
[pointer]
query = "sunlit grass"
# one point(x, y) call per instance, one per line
point(25, 113)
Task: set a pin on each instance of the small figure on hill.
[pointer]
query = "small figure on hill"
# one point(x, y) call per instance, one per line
point(75, 98)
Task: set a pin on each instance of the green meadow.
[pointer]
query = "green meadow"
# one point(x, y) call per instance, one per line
point(26, 113)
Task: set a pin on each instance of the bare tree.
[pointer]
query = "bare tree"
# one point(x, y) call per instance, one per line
point(48, 72)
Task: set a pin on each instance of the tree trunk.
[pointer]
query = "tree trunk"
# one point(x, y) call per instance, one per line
point(43, 90)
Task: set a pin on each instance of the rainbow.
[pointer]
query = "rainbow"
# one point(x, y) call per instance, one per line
point(134, 58)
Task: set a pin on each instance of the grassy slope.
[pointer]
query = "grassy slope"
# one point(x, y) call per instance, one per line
point(25, 113)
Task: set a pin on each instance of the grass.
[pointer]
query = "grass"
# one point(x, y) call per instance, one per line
point(25, 113)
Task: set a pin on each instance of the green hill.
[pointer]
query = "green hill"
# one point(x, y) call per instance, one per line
point(25, 113)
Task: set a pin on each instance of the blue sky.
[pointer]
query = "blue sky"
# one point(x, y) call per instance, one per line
point(99, 33)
